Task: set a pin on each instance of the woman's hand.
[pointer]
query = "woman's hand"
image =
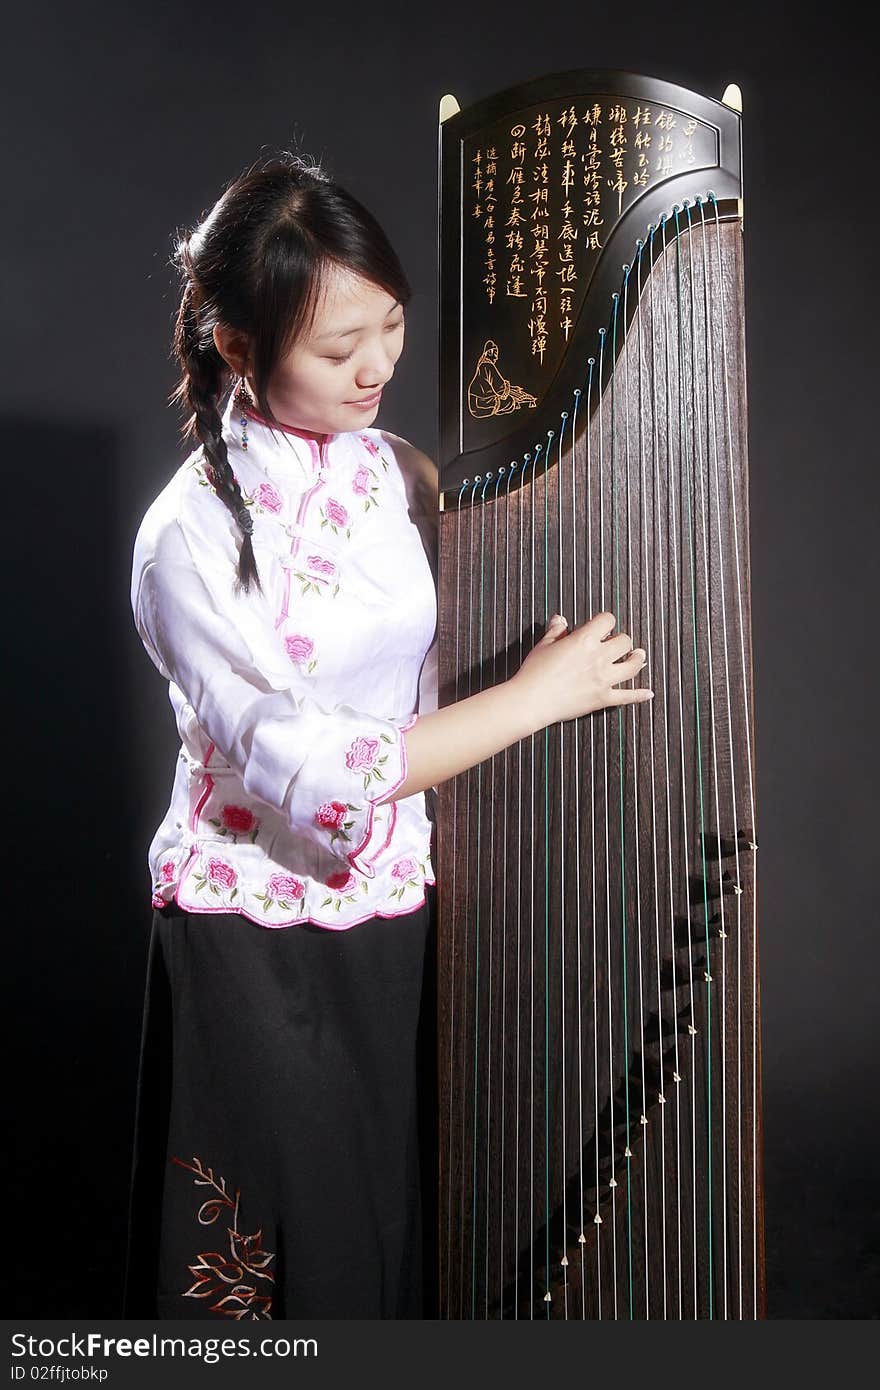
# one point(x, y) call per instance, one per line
point(570, 673)
point(565, 675)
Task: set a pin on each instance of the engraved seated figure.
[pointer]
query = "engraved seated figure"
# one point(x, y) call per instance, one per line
point(489, 393)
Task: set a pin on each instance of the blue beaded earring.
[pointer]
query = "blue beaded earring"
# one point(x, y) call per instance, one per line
point(243, 400)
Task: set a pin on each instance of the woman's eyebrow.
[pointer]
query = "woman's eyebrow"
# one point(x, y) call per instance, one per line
point(347, 332)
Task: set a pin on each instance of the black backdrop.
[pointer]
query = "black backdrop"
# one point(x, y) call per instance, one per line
point(124, 122)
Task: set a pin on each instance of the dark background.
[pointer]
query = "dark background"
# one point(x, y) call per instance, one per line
point(124, 123)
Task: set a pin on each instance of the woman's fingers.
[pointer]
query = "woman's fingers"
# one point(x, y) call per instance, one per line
point(554, 630)
point(632, 664)
point(601, 624)
point(617, 646)
point(632, 697)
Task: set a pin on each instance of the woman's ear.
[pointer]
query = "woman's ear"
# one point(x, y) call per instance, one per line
point(233, 346)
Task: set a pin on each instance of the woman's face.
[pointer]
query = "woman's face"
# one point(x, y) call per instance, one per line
point(346, 358)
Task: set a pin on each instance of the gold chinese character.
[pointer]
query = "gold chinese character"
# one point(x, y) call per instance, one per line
point(567, 118)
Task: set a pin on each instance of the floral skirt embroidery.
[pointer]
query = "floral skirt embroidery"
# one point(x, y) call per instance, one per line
point(284, 1158)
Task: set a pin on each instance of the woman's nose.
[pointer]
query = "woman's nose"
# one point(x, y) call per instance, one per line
point(376, 368)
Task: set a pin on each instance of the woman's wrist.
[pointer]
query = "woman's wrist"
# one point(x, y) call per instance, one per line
point(459, 736)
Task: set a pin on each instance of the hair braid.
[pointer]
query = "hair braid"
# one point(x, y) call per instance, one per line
point(201, 387)
point(255, 263)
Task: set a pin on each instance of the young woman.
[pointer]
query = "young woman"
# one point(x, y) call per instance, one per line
point(283, 584)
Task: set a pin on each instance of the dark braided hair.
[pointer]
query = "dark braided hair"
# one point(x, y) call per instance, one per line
point(255, 263)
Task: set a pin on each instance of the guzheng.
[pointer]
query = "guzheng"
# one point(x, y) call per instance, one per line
point(600, 1149)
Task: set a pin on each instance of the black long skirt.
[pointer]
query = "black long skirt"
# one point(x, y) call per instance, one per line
point(285, 1127)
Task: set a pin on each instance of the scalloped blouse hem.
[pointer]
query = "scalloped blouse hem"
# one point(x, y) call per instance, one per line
point(334, 925)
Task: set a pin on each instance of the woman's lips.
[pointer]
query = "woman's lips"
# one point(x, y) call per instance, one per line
point(368, 401)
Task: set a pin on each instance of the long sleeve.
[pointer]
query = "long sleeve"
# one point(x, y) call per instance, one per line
point(322, 769)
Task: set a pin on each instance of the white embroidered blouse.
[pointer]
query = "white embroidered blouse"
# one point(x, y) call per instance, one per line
point(292, 703)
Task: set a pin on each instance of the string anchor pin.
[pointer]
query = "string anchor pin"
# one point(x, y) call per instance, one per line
point(547, 1298)
point(643, 1119)
point(564, 1261)
point(676, 1078)
point(707, 977)
point(597, 1220)
point(582, 1239)
point(627, 1153)
point(661, 1098)
point(692, 1030)
point(613, 1182)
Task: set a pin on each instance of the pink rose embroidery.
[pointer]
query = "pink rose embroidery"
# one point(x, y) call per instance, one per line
point(360, 483)
point(362, 754)
point(157, 899)
point(316, 575)
point(404, 873)
point(218, 875)
point(298, 647)
point(235, 821)
point(219, 872)
point(267, 497)
point(285, 886)
point(342, 883)
point(404, 869)
point(320, 565)
point(331, 814)
point(166, 872)
point(332, 817)
point(336, 512)
point(238, 819)
point(373, 449)
point(335, 516)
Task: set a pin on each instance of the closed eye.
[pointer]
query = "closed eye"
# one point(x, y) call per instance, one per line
point(389, 328)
